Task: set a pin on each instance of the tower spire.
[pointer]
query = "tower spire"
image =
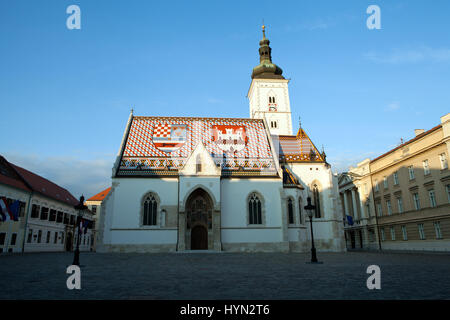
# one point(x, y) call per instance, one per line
point(266, 69)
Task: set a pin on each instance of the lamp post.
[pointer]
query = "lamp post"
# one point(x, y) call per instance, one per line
point(310, 210)
point(80, 207)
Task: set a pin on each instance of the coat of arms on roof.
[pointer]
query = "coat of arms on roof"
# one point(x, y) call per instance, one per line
point(169, 137)
point(229, 138)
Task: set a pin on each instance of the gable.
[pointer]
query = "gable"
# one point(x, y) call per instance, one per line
point(298, 148)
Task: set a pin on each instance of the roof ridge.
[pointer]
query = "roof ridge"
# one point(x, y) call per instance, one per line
point(408, 142)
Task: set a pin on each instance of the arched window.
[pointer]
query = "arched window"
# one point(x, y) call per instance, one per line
point(300, 210)
point(317, 201)
point(290, 207)
point(150, 210)
point(254, 210)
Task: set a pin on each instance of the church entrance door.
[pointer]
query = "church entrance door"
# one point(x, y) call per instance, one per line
point(199, 231)
point(199, 238)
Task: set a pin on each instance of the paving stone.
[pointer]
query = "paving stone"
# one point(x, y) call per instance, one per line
point(226, 276)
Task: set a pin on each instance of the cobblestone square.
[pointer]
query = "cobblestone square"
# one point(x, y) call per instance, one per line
point(226, 276)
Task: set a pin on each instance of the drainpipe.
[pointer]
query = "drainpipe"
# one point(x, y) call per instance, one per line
point(26, 221)
point(375, 212)
point(178, 213)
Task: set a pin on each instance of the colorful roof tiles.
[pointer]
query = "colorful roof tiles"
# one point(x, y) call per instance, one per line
point(161, 145)
point(298, 148)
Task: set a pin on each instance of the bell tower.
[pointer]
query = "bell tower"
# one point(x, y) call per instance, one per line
point(268, 94)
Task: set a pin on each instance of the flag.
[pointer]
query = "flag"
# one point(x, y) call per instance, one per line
point(85, 226)
point(2, 215)
point(6, 213)
point(350, 220)
point(15, 208)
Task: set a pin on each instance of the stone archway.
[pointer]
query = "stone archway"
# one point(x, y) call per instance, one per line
point(199, 221)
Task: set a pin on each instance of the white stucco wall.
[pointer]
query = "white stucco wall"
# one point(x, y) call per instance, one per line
point(123, 211)
point(234, 195)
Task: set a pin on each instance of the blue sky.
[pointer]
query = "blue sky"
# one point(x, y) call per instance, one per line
point(65, 95)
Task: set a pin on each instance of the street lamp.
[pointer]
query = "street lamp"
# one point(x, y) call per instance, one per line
point(310, 210)
point(80, 207)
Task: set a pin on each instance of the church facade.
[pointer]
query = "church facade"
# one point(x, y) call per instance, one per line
point(222, 184)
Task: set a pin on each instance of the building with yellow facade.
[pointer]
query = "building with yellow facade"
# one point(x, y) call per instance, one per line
point(401, 199)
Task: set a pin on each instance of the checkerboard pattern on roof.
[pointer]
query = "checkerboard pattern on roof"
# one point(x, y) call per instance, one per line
point(298, 148)
point(141, 152)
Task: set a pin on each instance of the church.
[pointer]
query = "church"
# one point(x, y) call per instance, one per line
point(222, 184)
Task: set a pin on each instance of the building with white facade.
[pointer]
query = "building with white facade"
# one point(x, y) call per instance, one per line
point(223, 184)
point(94, 204)
point(47, 219)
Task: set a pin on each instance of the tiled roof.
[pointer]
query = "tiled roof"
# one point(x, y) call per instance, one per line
point(289, 180)
point(100, 196)
point(162, 145)
point(10, 177)
point(298, 148)
point(45, 187)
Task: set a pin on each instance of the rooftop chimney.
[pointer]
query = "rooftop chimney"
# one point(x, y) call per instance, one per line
point(418, 131)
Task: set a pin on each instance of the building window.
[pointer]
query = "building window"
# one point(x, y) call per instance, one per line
point(411, 173)
point(383, 236)
point(30, 235)
point(432, 196)
point(62, 237)
point(404, 232)
point(400, 205)
point(448, 192)
point(2, 238)
point(150, 211)
point(368, 209)
point(52, 215)
point(290, 207)
point(317, 202)
point(385, 182)
point(377, 188)
point(300, 217)
point(66, 218)
point(39, 236)
point(48, 236)
point(13, 239)
point(437, 229)
point(396, 178)
point(59, 217)
point(273, 124)
point(421, 231)
point(416, 201)
point(44, 213)
point(379, 209)
point(392, 233)
point(426, 168)
point(72, 219)
point(94, 209)
point(56, 237)
point(254, 210)
point(22, 209)
point(35, 211)
point(444, 163)
point(389, 208)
